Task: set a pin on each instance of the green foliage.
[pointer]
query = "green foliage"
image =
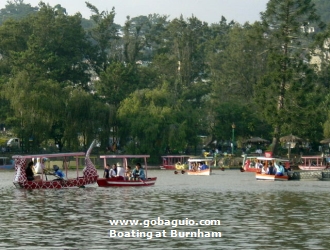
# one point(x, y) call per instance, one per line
point(16, 9)
point(323, 9)
point(154, 120)
point(287, 92)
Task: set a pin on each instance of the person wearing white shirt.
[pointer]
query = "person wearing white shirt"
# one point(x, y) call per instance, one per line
point(113, 171)
point(39, 167)
point(120, 172)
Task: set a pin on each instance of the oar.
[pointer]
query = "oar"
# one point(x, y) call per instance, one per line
point(143, 182)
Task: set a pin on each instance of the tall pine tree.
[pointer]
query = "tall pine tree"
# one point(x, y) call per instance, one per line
point(286, 93)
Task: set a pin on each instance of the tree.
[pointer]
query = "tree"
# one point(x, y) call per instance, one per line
point(46, 65)
point(105, 36)
point(186, 40)
point(152, 120)
point(323, 8)
point(287, 91)
point(16, 9)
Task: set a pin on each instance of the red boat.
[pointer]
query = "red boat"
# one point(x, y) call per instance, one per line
point(250, 164)
point(313, 163)
point(175, 162)
point(89, 173)
point(120, 182)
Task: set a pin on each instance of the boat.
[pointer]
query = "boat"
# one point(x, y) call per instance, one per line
point(175, 162)
point(272, 177)
point(250, 163)
point(6, 163)
point(119, 182)
point(313, 163)
point(46, 181)
point(197, 171)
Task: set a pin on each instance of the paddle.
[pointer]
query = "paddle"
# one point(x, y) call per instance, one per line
point(143, 182)
point(50, 173)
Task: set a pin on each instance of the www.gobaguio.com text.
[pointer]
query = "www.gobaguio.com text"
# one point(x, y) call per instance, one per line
point(162, 222)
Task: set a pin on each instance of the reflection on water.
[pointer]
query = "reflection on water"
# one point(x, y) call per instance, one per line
point(254, 214)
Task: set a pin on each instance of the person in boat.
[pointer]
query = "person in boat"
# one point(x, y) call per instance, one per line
point(58, 172)
point(106, 171)
point(40, 166)
point(138, 172)
point(264, 170)
point(193, 166)
point(279, 169)
point(113, 171)
point(29, 171)
point(271, 169)
point(120, 172)
point(204, 166)
point(287, 168)
point(128, 173)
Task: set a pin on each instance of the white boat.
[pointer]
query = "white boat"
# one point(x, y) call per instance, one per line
point(271, 177)
point(197, 171)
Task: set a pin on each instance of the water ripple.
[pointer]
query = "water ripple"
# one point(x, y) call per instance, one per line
point(254, 214)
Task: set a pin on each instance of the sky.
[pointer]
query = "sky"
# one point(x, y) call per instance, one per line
point(209, 11)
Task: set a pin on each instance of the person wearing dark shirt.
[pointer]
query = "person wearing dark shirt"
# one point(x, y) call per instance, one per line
point(29, 172)
point(271, 169)
point(106, 171)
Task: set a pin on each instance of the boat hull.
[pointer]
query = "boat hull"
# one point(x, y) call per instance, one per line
point(114, 182)
point(199, 172)
point(57, 184)
point(312, 167)
point(254, 170)
point(269, 177)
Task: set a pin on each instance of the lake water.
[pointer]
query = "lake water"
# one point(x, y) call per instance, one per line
point(253, 214)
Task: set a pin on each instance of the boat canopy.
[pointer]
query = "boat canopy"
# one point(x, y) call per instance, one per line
point(312, 157)
point(177, 156)
point(200, 159)
point(262, 158)
point(123, 156)
point(48, 155)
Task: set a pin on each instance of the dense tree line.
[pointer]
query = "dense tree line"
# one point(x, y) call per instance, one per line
point(157, 83)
